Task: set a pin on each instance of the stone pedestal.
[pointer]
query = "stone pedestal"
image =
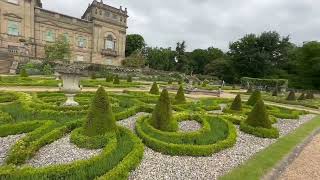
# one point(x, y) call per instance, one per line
point(70, 100)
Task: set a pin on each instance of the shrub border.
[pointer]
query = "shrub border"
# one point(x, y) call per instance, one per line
point(186, 149)
point(259, 131)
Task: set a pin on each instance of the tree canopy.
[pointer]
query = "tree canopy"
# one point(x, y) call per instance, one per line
point(134, 42)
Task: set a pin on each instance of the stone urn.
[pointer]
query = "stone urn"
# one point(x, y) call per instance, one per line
point(70, 75)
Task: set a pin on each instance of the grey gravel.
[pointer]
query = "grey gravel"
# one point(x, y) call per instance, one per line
point(158, 166)
point(6, 143)
point(61, 151)
point(131, 121)
point(189, 126)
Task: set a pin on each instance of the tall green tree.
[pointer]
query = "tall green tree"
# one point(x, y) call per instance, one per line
point(58, 50)
point(160, 58)
point(259, 55)
point(134, 42)
point(136, 60)
point(307, 64)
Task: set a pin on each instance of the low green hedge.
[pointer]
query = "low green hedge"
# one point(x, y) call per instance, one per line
point(121, 154)
point(235, 119)
point(259, 132)
point(78, 138)
point(26, 147)
point(208, 140)
point(5, 118)
point(24, 127)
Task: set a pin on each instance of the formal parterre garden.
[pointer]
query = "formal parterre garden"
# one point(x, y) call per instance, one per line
point(40, 120)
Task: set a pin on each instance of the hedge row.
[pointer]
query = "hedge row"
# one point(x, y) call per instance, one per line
point(260, 132)
point(47, 133)
point(121, 154)
point(5, 118)
point(129, 163)
point(264, 82)
point(82, 141)
point(179, 143)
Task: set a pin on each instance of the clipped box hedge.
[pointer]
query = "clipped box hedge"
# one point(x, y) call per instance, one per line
point(121, 154)
point(175, 143)
point(259, 131)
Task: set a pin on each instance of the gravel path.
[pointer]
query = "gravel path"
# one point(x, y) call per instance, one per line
point(189, 126)
point(61, 151)
point(6, 143)
point(307, 164)
point(158, 166)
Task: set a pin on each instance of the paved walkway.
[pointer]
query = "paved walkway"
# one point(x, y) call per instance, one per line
point(306, 166)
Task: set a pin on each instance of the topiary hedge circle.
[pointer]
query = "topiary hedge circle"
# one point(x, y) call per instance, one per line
point(122, 153)
point(215, 135)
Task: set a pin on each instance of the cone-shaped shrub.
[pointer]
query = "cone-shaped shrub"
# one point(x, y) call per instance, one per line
point(154, 89)
point(162, 114)
point(250, 90)
point(109, 78)
point(275, 92)
point(129, 79)
point(310, 95)
point(259, 117)
point(236, 105)
point(254, 98)
point(116, 80)
point(23, 73)
point(170, 82)
point(100, 119)
point(291, 96)
point(93, 76)
point(180, 98)
point(302, 97)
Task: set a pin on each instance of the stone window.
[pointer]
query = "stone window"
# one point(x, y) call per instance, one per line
point(50, 36)
point(82, 42)
point(13, 28)
point(13, 1)
point(66, 37)
point(107, 14)
point(110, 43)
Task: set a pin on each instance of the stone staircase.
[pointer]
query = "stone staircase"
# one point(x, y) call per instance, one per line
point(6, 61)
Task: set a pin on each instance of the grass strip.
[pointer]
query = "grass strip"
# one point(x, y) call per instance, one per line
point(260, 164)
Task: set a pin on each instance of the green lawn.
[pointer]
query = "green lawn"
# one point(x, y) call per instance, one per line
point(262, 162)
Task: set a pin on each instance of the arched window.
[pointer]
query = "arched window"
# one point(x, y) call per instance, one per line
point(110, 43)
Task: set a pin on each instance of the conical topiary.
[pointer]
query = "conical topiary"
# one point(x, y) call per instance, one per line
point(100, 119)
point(236, 105)
point(275, 92)
point(250, 90)
point(302, 97)
point(162, 114)
point(259, 117)
point(23, 73)
point(256, 95)
point(180, 98)
point(154, 89)
point(170, 82)
point(109, 78)
point(116, 80)
point(129, 79)
point(291, 96)
point(310, 95)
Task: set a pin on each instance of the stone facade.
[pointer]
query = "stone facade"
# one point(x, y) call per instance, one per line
point(98, 37)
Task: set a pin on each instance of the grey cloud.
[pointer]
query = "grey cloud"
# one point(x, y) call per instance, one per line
point(204, 23)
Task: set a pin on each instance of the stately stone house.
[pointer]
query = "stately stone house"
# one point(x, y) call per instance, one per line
point(98, 36)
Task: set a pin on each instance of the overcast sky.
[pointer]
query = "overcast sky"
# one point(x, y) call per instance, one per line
point(205, 23)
